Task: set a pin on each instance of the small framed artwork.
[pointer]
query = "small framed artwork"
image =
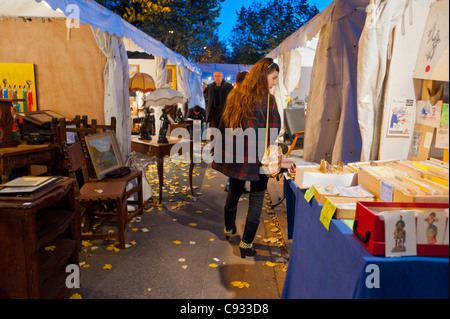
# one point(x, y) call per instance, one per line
point(133, 69)
point(104, 152)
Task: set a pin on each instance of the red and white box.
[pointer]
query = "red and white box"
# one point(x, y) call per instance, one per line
point(369, 226)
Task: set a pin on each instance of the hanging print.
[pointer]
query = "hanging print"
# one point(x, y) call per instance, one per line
point(400, 119)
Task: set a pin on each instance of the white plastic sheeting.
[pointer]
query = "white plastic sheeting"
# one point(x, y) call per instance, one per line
point(374, 47)
point(399, 81)
point(294, 55)
point(117, 102)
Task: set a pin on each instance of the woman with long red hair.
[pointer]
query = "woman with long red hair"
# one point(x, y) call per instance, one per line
point(246, 113)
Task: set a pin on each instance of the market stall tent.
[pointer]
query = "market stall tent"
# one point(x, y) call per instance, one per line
point(295, 57)
point(359, 68)
point(331, 130)
point(81, 60)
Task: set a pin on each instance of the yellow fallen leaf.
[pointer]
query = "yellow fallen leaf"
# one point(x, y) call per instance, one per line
point(112, 247)
point(177, 242)
point(270, 264)
point(76, 296)
point(211, 239)
point(132, 242)
point(107, 266)
point(198, 212)
point(86, 243)
point(50, 248)
point(240, 284)
point(207, 185)
point(213, 265)
point(134, 229)
point(192, 224)
point(86, 266)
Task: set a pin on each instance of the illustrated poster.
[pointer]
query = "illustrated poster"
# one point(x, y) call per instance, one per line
point(400, 119)
point(429, 114)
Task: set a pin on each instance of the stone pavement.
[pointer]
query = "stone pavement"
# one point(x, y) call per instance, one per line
point(177, 249)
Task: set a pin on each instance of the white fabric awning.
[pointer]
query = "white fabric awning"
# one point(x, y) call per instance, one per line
point(97, 16)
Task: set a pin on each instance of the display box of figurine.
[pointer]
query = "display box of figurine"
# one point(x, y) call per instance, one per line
point(396, 229)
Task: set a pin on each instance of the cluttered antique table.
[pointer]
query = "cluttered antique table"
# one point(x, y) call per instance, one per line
point(160, 150)
point(333, 264)
point(23, 155)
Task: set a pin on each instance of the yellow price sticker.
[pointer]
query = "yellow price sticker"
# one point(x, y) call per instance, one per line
point(310, 193)
point(326, 214)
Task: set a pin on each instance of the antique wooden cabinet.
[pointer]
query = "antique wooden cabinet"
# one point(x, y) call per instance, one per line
point(39, 237)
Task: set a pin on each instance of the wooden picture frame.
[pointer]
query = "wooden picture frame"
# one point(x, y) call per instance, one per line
point(40, 117)
point(104, 152)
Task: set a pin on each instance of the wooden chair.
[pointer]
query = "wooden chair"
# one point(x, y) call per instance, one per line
point(293, 146)
point(134, 178)
point(97, 198)
point(295, 127)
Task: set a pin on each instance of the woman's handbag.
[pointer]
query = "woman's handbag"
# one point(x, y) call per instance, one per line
point(271, 161)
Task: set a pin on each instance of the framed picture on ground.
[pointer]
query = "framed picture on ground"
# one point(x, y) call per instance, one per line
point(104, 152)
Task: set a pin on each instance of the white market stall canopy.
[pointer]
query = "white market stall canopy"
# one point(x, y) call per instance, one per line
point(109, 31)
point(295, 57)
point(97, 16)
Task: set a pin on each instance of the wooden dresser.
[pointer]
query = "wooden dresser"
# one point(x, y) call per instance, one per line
point(23, 155)
point(39, 237)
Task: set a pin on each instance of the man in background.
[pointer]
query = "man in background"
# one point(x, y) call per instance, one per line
point(216, 95)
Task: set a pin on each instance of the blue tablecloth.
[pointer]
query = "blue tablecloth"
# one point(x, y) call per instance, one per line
point(333, 264)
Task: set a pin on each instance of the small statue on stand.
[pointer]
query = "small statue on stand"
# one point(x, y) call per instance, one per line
point(144, 133)
point(164, 127)
point(179, 119)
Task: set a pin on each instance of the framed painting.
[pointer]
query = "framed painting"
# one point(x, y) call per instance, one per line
point(133, 69)
point(19, 82)
point(104, 152)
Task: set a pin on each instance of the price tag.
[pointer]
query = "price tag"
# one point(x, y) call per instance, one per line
point(327, 213)
point(310, 193)
point(386, 191)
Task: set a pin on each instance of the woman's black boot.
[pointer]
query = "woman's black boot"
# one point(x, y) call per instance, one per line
point(247, 250)
point(229, 232)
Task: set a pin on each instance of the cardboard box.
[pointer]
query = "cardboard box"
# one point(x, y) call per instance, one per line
point(321, 193)
point(346, 206)
point(372, 184)
point(306, 176)
point(368, 227)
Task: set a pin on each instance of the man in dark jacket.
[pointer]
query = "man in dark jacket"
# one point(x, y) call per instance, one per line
point(216, 95)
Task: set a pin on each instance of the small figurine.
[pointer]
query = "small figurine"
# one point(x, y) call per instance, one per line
point(164, 127)
point(179, 119)
point(144, 133)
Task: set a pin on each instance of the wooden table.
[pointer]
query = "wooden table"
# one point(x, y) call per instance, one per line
point(24, 155)
point(159, 150)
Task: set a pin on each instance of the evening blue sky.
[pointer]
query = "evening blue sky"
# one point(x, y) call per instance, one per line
point(228, 13)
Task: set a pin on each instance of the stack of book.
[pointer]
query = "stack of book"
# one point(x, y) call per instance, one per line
point(27, 185)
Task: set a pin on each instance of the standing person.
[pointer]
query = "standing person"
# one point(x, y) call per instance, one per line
point(247, 108)
point(239, 79)
point(216, 96)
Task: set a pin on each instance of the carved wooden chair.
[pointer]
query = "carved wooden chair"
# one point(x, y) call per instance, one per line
point(104, 200)
point(133, 179)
